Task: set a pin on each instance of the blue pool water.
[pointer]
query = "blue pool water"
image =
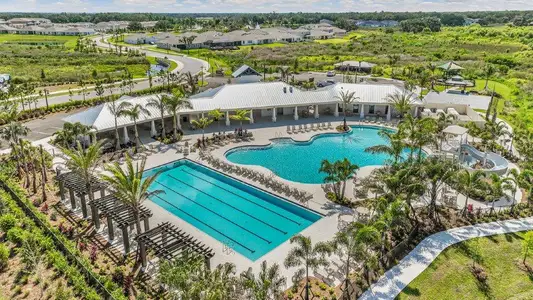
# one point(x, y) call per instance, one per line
point(249, 220)
point(300, 161)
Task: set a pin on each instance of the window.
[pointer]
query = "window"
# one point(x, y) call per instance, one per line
point(371, 109)
point(355, 108)
point(340, 107)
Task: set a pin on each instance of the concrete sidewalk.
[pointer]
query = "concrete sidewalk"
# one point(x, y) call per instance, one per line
point(397, 278)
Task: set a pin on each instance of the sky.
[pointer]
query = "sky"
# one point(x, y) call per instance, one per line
point(258, 6)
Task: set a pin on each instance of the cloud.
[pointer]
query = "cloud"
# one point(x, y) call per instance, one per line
point(256, 6)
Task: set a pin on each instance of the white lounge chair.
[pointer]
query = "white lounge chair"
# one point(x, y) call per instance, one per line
point(289, 129)
point(293, 128)
point(329, 125)
point(300, 128)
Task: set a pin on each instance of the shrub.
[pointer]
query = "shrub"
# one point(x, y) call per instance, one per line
point(4, 256)
point(7, 222)
point(16, 235)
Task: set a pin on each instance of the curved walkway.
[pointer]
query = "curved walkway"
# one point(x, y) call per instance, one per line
point(397, 278)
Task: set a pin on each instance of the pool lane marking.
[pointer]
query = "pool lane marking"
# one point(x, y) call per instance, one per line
point(253, 251)
point(208, 209)
point(237, 209)
point(285, 217)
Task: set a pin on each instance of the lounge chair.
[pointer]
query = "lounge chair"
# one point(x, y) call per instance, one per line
point(306, 128)
point(312, 127)
point(300, 129)
point(289, 129)
point(329, 125)
point(293, 129)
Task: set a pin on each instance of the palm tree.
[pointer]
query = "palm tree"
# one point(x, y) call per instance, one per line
point(268, 285)
point(307, 256)
point(497, 187)
point(175, 103)
point(13, 131)
point(489, 70)
point(217, 115)
point(129, 185)
point(134, 112)
point(443, 121)
point(117, 111)
point(284, 71)
point(191, 82)
point(338, 173)
point(419, 133)
point(469, 182)
point(346, 98)
point(401, 101)
point(159, 103)
point(394, 146)
point(202, 124)
point(83, 162)
point(393, 60)
point(241, 115)
point(436, 173)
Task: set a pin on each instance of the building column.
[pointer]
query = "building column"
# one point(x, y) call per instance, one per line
point(296, 113)
point(62, 190)
point(146, 224)
point(415, 112)
point(126, 137)
point(153, 132)
point(142, 248)
point(72, 198)
point(274, 115)
point(126, 239)
point(251, 116)
point(316, 112)
point(227, 119)
point(389, 108)
point(336, 113)
point(110, 229)
point(202, 115)
point(362, 112)
point(83, 206)
point(95, 216)
point(178, 121)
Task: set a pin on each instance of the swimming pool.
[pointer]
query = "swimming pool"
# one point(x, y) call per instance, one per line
point(244, 218)
point(300, 161)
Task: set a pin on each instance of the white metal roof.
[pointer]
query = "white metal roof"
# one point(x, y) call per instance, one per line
point(474, 101)
point(242, 96)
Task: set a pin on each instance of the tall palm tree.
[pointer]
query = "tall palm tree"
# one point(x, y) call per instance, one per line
point(241, 115)
point(470, 182)
point(488, 71)
point(401, 101)
point(436, 173)
point(191, 82)
point(346, 98)
point(443, 121)
point(13, 131)
point(497, 187)
point(134, 112)
point(158, 102)
point(419, 133)
point(394, 146)
point(202, 124)
point(285, 72)
point(217, 115)
point(130, 187)
point(84, 162)
point(175, 103)
point(269, 285)
point(117, 111)
point(338, 173)
point(307, 256)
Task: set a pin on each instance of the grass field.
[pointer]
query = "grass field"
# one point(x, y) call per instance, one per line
point(68, 41)
point(449, 276)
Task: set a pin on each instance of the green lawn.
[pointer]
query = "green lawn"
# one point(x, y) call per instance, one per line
point(332, 41)
point(449, 276)
point(68, 41)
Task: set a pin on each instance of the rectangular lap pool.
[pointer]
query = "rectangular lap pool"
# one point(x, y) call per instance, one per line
point(247, 219)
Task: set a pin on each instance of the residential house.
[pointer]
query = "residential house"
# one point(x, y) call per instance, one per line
point(245, 74)
point(24, 22)
point(7, 29)
point(359, 66)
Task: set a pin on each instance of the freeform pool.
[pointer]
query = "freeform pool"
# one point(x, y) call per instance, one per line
point(300, 161)
point(249, 220)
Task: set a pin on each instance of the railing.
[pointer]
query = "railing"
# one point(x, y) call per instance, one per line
point(91, 279)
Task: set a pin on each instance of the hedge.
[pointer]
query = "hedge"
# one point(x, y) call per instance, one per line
point(51, 240)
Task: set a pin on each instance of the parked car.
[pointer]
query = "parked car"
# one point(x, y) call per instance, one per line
point(325, 83)
point(330, 74)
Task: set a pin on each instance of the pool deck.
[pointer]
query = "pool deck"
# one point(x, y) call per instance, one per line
point(322, 230)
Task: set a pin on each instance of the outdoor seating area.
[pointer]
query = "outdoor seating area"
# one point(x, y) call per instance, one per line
point(268, 181)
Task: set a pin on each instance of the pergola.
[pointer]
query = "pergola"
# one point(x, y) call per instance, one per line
point(167, 241)
point(76, 186)
point(121, 214)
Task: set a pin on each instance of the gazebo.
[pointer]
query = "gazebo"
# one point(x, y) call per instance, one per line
point(456, 130)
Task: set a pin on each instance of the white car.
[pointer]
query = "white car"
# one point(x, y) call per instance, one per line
point(330, 73)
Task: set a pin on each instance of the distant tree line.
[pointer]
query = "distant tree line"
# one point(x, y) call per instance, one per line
point(237, 20)
point(432, 24)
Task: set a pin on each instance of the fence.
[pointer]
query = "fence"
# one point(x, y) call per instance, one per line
point(91, 279)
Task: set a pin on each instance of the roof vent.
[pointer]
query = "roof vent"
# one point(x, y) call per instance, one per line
point(285, 89)
point(290, 89)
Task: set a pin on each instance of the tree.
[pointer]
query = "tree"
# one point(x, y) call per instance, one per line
point(135, 26)
point(99, 89)
point(175, 103)
point(497, 187)
point(436, 173)
point(470, 182)
point(394, 146)
point(130, 186)
point(401, 101)
point(346, 98)
point(307, 256)
point(527, 245)
point(134, 112)
point(117, 111)
point(84, 163)
point(418, 133)
point(393, 60)
point(191, 83)
point(285, 72)
point(202, 124)
point(241, 115)
point(217, 115)
point(488, 71)
point(338, 173)
point(188, 40)
point(158, 102)
point(269, 285)
point(443, 121)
